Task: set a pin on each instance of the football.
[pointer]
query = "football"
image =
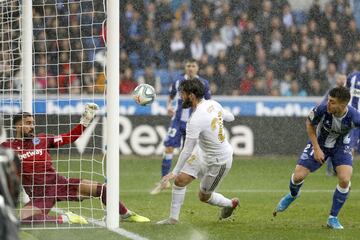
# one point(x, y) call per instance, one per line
point(144, 94)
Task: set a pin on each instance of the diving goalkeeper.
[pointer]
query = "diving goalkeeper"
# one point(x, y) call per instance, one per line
point(41, 181)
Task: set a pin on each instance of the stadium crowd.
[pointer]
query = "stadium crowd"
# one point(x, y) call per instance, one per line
point(244, 47)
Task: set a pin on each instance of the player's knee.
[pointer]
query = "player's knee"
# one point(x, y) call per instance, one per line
point(298, 178)
point(169, 150)
point(344, 183)
point(180, 182)
point(203, 197)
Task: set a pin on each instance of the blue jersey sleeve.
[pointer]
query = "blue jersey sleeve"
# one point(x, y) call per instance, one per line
point(207, 91)
point(349, 77)
point(356, 118)
point(207, 95)
point(316, 114)
point(172, 90)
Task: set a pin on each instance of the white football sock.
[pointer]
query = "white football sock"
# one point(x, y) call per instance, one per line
point(178, 196)
point(219, 200)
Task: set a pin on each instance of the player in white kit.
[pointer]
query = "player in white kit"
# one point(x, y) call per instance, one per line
point(206, 155)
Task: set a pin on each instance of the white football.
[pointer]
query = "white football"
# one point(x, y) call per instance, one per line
point(144, 94)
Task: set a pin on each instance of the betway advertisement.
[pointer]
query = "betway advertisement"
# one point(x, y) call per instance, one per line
point(239, 106)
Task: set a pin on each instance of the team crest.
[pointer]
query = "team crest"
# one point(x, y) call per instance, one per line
point(36, 141)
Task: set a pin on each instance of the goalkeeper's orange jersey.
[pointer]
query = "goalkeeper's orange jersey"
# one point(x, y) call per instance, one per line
point(36, 162)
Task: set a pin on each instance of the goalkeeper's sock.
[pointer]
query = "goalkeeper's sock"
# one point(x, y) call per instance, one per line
point(41, 218)
point(295, 187)
point(101, 192)
point(218, 199)
point(166, 164)
point(178, 196)
point(339, 198)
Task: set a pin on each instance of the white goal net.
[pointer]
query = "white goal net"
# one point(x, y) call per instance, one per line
point(68, 71)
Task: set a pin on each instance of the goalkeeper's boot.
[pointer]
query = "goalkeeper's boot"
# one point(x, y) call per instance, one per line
point(333, 223)
point(228, 211)
point(168, 221)
point(73, 218)
point(160, 187)
point(284, 203)
point(134, 217)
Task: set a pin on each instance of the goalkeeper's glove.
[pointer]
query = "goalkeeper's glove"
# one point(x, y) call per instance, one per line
point(89, 114)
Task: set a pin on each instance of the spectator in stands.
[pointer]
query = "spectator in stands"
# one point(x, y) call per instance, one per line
point(224, 80)
point(330, 75)
point(127, 83)
point(149, 77)
point(259, 87)
point(267, 34)
point(229, 31)
point(287, 17)
point(177, 46)
point(295, 90)
point(196, 47)
point(215, 45)
point(316, 88)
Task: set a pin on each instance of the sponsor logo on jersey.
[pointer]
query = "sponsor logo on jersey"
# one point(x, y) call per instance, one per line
point(30, 154)
point(58, 139)
point(36, 141)
point(355, 92)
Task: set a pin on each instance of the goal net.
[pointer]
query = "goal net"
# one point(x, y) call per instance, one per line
point(68, 71)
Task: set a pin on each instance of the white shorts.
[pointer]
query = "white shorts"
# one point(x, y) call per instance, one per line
point(210, 176)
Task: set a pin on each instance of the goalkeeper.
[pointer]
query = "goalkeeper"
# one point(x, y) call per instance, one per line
point(41, 181)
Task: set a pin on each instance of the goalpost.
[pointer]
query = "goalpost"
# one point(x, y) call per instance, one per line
point(53, 57)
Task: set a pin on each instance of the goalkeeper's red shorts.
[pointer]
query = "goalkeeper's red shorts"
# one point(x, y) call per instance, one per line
point(44, 197)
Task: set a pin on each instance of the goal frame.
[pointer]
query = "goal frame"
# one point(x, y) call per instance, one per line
point(112, 97)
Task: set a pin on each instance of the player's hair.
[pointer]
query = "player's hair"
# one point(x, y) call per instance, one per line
point(341, 93)
point(194, 86)
point(19, 116)
point(190, 60)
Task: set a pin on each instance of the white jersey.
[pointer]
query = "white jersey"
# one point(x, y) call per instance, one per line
point(206, 125)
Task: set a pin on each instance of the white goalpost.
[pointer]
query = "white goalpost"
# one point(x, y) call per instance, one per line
point(53, 57)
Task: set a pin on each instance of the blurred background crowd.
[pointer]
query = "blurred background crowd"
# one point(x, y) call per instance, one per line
point(243, 47)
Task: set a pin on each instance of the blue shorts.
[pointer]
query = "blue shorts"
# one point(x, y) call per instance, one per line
point(338, 156)
point(176, 134)
point(354, 139)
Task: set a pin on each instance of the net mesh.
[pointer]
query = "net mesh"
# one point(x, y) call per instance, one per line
point(68, 71)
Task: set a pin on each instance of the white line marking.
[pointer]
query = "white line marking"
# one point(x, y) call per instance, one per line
point(120, 231)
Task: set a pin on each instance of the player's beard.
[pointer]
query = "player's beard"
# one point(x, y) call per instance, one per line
point(28, 135)
point(186, 103)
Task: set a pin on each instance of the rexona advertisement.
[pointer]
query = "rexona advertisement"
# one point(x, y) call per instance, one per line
point(145, 135)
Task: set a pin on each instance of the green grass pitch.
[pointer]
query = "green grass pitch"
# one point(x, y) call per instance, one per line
point(259, 183)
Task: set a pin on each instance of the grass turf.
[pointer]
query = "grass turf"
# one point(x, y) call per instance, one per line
point(259, 182)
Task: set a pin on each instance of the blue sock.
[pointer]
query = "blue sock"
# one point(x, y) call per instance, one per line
point(339, 198)
point(166, 164)
point(294, 187)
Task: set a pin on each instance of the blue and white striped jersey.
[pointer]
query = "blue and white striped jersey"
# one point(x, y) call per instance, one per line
point(180, 113)
point(353, 83)
point(333, 131)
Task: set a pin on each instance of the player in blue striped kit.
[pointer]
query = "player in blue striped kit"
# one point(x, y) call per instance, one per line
point(329, 127)
point(352, 82)
point(179, 116)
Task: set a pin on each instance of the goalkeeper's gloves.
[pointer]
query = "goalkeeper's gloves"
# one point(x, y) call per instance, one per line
point(89, 114)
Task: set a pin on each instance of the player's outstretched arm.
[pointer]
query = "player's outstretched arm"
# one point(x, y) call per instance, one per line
point(85, 120)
